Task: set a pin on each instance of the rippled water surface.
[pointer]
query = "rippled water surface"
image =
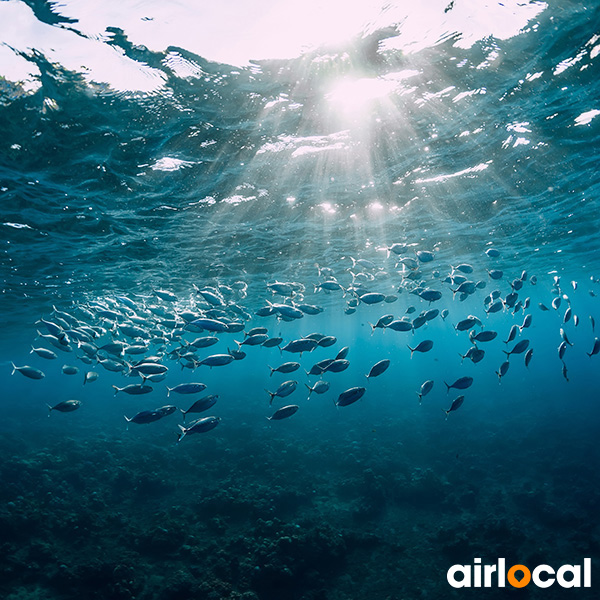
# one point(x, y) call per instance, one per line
point(148, 147)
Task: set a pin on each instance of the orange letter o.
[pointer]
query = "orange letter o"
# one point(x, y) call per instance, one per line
point(514, 581)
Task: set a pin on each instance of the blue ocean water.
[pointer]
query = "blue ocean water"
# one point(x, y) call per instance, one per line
point(147, 149)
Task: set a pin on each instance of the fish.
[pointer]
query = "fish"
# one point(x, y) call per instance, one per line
point(272, 342)
point(300, 346)
point(474, 353)
point(186, 388)
point(518, 348)
point(350, 396)
point(445, 312)
point(483, 336)
point(378, 368)
point(70, 370)
point(44, 353)
point(565, 372)
point(425, 256)
point(148, 368)
point(526, 322)
point(216, 360)
point(382, 322)
point(593, 324)
point(342, 353)
point(511, 299)
point(253, 340)
point(495, 274)
point(28, 371)
point(199, 426)
point(288, 311)
point(492, 252)
point(466, 287)
point(431, 314)
point(372, 298)
point(465, 324)
point(337, 366)
point(463, 268)
point(456, 404)
point(543, 307)
point(567, 315)
point(326, 341)
point(134, 389)
point(462, 383)
point(213, 325)
point(595, 349)
point(319, 388)
point(563, 335)
point(284, 412)
point(329, 286)
point(64, 406)
point(501, 372)
point(201, 405)
point(204, 342)
point(287, 367)
point(284, 390)
point(556, 303)
point(145, 416)
point(426, 387)
point(424, 346)
point(431, 295)
point(90, 376)
point(528, 356)
point(309, 309)
point(562, 348)
point(400, 325)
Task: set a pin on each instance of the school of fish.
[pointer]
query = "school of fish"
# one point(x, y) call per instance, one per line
point(141, 339)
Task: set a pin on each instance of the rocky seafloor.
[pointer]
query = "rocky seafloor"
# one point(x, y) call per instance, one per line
point(374, 513)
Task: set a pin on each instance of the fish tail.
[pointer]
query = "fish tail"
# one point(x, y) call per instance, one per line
point(32, 349)
point(168, 391)
point(411, 350)
point(420, 396)
point(127, 418)
point(507, 353)
point(447, 387)
point(14, 367)
point(183, 412)
point(117, 390)
point(49, 410)
point(271, 394)
point(182, 434)
point(272, 370)
point(310, 390)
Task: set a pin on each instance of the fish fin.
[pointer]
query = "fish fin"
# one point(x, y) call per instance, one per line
point(507, 353)
point(447, 387)
point(127, 418)
point(168, 391)
point(182, 434)
point(117, 390)
point(411, 350)
point(14, 367)
point(49, 410)
point(272, 370)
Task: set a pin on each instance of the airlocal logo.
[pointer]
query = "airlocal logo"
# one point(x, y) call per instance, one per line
point(519, 576)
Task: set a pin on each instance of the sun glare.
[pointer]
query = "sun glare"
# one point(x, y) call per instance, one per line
point(356, 95)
